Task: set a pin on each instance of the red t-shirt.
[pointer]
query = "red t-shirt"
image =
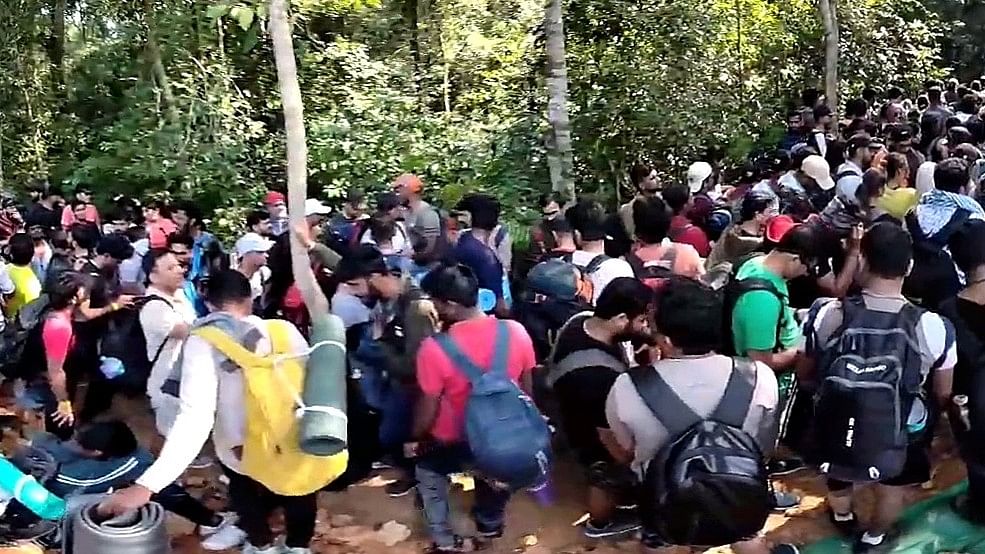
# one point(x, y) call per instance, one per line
point(57, 336)
point(158, 232)
point(437, 376)
point(685, 232)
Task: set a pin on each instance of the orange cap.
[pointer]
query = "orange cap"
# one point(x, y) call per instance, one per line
point(409, 181)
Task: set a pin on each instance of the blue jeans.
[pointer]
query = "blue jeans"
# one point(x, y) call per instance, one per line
point(433, 469)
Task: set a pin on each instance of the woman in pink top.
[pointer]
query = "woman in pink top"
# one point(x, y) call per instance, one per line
point(50, 387)
point(79, 210)
point(159, 227)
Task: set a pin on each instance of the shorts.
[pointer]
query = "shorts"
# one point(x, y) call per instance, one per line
point(916, 470)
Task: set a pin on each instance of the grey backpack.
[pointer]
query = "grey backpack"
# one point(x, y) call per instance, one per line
point(870, 375)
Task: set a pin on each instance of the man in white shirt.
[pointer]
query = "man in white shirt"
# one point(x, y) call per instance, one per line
point(165, 323)
point(251, 249)
point(210, 389)
point(588, 219)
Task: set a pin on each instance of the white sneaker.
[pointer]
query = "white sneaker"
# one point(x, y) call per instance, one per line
point(272, 549)
point(297, 550)
point(226, 535)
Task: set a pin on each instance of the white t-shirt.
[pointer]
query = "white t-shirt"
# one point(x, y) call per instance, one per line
point(399, 244)
point(157, 320)
point(606, 272)
point(258, 281)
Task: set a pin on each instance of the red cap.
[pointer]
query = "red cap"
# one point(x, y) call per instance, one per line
point(778, 226)
point(274, 197)
point(410, 181)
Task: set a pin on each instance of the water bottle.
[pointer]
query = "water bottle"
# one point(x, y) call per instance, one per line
point(961, 402)
point(27, 491)
point(111, 367)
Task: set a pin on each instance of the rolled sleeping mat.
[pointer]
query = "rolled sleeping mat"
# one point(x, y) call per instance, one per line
point(324, 424)
point(14, 483)
point(141, 531)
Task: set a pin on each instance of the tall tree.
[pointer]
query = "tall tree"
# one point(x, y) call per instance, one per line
point(559, 150)
point(829, 19)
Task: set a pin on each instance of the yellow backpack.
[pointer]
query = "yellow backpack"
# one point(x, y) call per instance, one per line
point(271, 452)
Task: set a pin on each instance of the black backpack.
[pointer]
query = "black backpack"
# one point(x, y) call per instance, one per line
point(654, 273)
point(21, 348)
point(734, 290)
point(933, 277)
point(869, 375)
point(709, 485)
point(124, 340)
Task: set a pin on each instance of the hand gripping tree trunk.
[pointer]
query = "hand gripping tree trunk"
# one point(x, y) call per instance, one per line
point(559, 157)
point(323, 427)
point(829, 19)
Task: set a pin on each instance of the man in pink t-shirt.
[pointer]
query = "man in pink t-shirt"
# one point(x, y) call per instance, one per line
point(440, 416)
point(159, 227)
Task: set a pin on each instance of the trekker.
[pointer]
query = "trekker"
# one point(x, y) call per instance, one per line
point(588, 219)
point(587, 358)
point(252, 249)
point(439, 418)
point(644, 178)
point(258, 222)
point(795, 131)
point(46, 212)
point(345, 226)
point(898, 198)
point(821, 133)
point(966, 311)
point(682, 230)
point(81, 210)
point(159, 225)
point(26, 286)
point(746, 236)
point(688, 326)
point(205, 248)
point(476, 248)
point(876, 337)
point(858, 157)
point(165, 325)
point(422, 219)
point(276, 204)
point(210, 389)
point(654, 250)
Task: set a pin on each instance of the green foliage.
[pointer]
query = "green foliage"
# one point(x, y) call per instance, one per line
point(450, 89)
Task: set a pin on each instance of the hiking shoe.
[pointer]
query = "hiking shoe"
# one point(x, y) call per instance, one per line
point(613, 528)
point(859, 546)
point(400, 487)
point(785, 466)
point(783, 501)
point(785, 548)
point(222, 537)
point(847, 527)
point(962, 506)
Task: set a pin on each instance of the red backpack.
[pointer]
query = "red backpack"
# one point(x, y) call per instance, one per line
point(654, 273)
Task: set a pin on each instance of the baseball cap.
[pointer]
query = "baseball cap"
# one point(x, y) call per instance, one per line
point(697, 174)
point(778, 226)
point(410, 181)
point(899, 133)
point(274, 197)
point(817, 168)
point(314, 206)
point(252, 242)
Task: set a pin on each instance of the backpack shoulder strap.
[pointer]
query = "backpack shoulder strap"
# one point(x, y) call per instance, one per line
point(635, 262)
point(279, 341)
point(229, 347)
point(595, 264)
point(589, 357)
point(734, 405)
point(667, 407)
point(465, 364)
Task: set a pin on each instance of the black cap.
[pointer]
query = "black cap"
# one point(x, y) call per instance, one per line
point(899, 133)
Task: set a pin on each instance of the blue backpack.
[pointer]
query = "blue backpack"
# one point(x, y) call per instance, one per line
point(508, 437)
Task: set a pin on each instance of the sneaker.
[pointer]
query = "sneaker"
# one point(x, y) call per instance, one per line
point(847, 527)
point(611, 529)
point(203, 461)
point(785, 549)
point(223, 537)
point(783, 501)
point(860, 546)
point(296, 550)
point(459, 546)
point(380, 465)
point(269, 549)
point(488, 535)
point(400, 487)
point(785, 466)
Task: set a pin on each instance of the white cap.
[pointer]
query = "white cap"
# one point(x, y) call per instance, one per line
point(252, 242)
point(697, 174)
point(313, 206)
point(817, 168)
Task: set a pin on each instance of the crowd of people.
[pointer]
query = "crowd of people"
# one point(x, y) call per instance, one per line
point(820, 306)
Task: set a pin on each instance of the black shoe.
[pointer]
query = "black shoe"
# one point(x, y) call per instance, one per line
point(400, 487)
point(459, 546)
point(785, 466)
point(612, 528)
point(847, 528)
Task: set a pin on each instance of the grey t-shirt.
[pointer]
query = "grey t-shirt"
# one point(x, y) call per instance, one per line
point(700, 383)
point(424, 219)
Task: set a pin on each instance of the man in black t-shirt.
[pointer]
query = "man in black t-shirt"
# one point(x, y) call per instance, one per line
point(587, 358)
point(46, 212)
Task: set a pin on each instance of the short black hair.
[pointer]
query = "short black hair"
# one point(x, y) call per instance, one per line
point(191, 209)
point(113, 439)
point(115, 246)
point(452, 283)
point(63, 289)
point(754, 203)
point(856, 108)
point(639, 172)
point(58, 238)
point(873, 185)
point(53, 190)
point(967, 245)
point(149, 262)
point(690, 315)
point(181, 238)
point(76, 203)
point(116, 214)
point(547, 198)
point(624, 295)
point(801, 241)
point(383, 229)
point(887, 249)
point(559, 225)
point(85, 234)
point(484, 210)
point(677, 196)
point(951, 175)
point(227, 286)
point(651, 219)
point(588, 217)
point(895, 162)
point(821, 111)
point(256, 216)
point(355, 196)
point(21, 248)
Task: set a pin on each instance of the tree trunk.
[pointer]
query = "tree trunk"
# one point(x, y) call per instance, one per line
point(157, 64)
point(297, 153)
point(57, 51)
point(829, 19)
point(559, 156)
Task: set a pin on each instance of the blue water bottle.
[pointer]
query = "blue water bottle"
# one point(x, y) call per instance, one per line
point(111, 367)
point(28, 492)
